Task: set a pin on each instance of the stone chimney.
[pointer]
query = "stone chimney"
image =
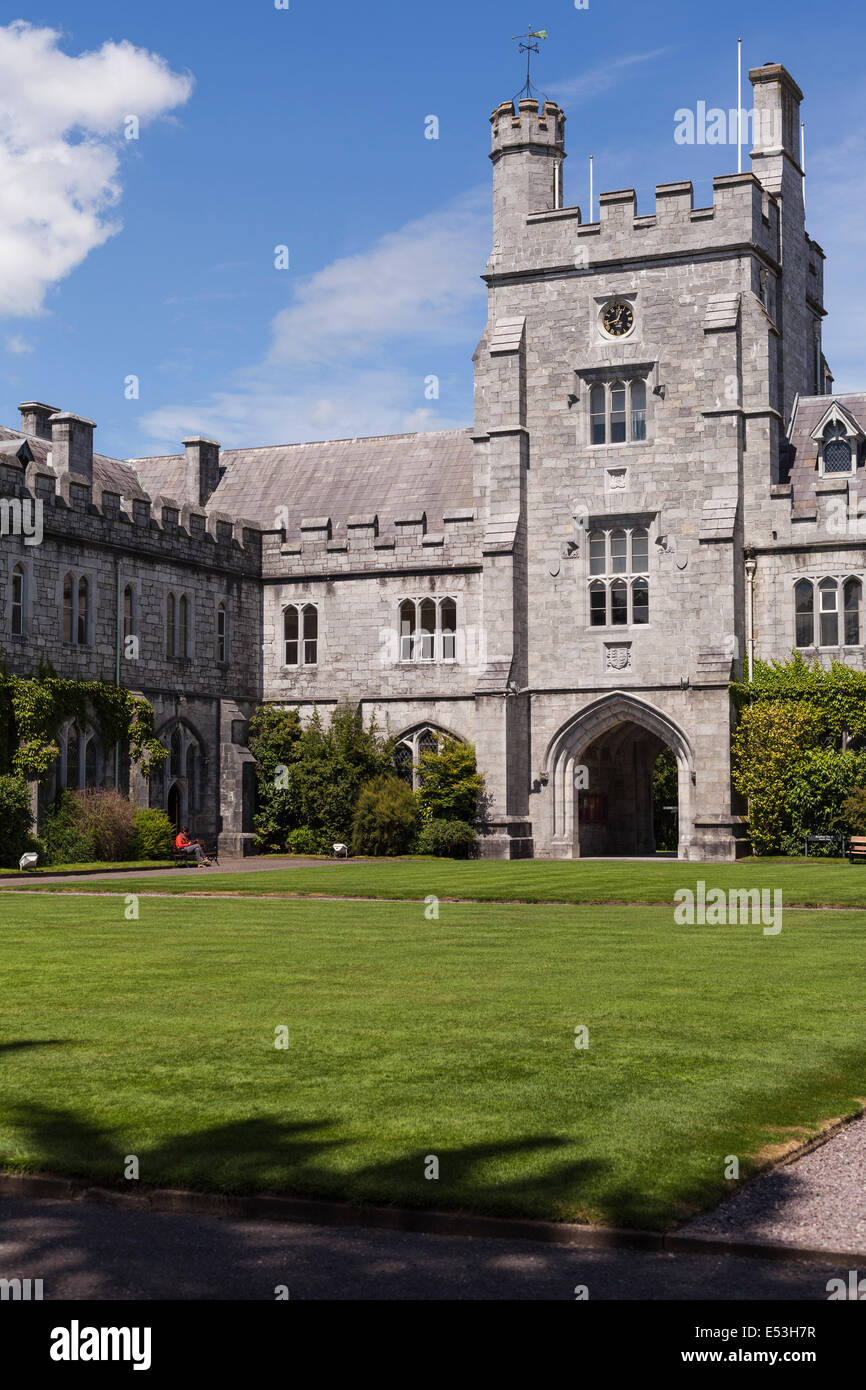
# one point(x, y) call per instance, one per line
point(35, 417)
point(72, 445)
point(202, 472)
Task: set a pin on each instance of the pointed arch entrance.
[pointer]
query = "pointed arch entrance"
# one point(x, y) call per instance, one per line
point(599, 767)
point(174, 808)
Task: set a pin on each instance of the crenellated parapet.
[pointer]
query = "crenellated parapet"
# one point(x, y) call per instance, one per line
point(162, 527)
point(370, 545)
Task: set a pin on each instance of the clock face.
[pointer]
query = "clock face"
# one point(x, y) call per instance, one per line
point(617, 318)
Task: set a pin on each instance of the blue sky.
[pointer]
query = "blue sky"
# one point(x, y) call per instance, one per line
point(304, 127)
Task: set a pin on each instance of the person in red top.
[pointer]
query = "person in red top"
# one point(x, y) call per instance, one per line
point(184, 845)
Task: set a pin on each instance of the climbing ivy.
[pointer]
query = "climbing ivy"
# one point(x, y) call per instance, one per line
point(836, 693)
point(32, 710)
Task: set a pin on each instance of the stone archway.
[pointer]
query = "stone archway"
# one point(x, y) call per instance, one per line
point(599, 767)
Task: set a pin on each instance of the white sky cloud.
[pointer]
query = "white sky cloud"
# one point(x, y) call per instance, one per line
point(61, 138)
point(349, 356)
point(571, 91)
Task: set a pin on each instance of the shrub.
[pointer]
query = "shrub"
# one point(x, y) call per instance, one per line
point(61, 835)
point(385, 817)
point(15, 820)
point(154, 835)
point(450, 783)
point(306, 840)
point(322, 772)
point(853, 814)
point(817, 796)
point(448, 839)
point(771, 742)
point(107, 818)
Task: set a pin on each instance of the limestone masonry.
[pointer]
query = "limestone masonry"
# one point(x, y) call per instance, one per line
point(659, 484)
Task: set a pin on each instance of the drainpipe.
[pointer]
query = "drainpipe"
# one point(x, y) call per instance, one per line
point(118, 604)
point(751, 567)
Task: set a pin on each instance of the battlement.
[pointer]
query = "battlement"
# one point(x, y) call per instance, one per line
point(526, 126)
point(370, 548)
point(162, 527)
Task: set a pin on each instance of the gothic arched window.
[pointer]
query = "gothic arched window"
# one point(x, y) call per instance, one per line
point(853, 600)
point(804, 613)
point(829, 612)
point(170, 625)
point(83, 615)
point(19, 581)
point(68, 609)
point(836, 449)
point(183, 626)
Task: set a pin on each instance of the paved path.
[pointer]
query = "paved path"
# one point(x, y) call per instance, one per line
point(84, 1251)
point(819, 1200)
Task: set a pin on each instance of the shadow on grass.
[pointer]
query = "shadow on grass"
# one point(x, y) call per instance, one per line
point(84, 1251)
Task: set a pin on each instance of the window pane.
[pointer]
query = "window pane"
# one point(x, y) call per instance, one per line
point(67, 608)
point(837, 456)
point(804, 609)
point(83, 590)
point(829, 615)
point(290, 636)
point(183, 627)
point(597, 558)
point(638, 410)
point(221, 633)
point(18, 603)
point(407, 629)
point(597, 605)
point(596, 410)
point(617, 413)
point(169, 625)
point(619, 552)
point(639, 552)
point(619, 603)
point(449, 629)
point(311, 635)
point(640, 601)
point(403, 762)
point(853, 592)
point(127, 611)
point(428, 629)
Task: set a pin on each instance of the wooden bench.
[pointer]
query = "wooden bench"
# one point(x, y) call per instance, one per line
point(857, 849)
point(182, 860)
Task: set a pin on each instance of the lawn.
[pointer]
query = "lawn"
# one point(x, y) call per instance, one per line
point(96, 868)
point(411, 1037)
point(803, 882)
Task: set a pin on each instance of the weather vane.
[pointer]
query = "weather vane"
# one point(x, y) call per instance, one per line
point(528, 47)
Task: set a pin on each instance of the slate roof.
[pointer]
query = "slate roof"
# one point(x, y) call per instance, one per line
point(396, 476)
point(109, 475)
point(804, 473)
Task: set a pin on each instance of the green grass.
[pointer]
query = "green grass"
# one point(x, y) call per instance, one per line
point(95, 868)
point(411, 1037)
point(803, 882)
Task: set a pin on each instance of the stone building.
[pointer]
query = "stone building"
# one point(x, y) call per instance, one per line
point(658, 485)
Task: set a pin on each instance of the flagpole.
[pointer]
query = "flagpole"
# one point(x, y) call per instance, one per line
point(739, 106)
point(803, 159)
point(591, 218)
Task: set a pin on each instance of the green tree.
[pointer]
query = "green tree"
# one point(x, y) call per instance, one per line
point(769, 746)
point(450, 782)
point(273, 740)
point(385, 817)
point(665, 793)
point(819, 789)
point(310, 775)
point(15, 820)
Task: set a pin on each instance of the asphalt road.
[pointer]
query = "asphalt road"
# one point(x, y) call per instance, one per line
point(83, 1251)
